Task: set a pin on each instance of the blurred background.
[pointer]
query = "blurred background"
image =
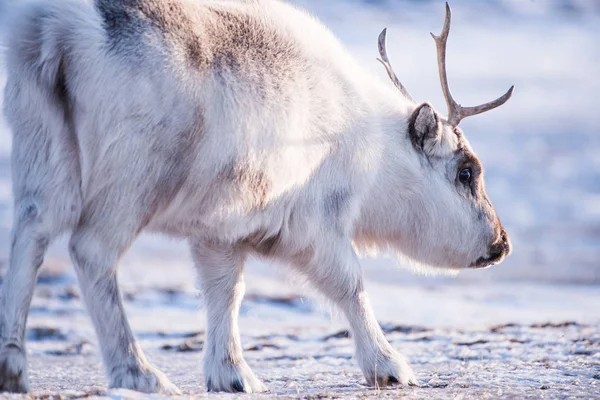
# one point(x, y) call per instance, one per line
point(541, 152)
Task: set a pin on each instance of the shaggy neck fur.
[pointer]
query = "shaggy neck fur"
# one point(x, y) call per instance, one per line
point(376, 228)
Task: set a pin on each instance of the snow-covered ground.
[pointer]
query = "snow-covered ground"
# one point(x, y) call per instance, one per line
point(492, 340)
point(541, 152)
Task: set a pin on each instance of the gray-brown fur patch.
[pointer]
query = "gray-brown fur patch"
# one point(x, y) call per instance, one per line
point(128, 21)
point(336, 202)
point(249, 182)
point(216, 37)
point(264, 245)
point(176, 159)
point(240, 37)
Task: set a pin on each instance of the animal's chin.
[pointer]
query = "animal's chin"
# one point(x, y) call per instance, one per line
point(484, 262)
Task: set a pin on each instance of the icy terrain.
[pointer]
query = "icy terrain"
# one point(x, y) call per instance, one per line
point(528, 328)
point(473, 341)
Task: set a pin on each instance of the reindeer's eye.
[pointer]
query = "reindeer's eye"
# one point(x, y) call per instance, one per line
point(464, 176)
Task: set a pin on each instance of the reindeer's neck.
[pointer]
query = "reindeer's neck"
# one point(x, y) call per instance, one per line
point(383, 209)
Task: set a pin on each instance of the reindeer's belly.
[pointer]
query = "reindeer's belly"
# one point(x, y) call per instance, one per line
point(235, 199)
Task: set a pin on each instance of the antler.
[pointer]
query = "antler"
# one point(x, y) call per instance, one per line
point(456, 112)
point(388, 67)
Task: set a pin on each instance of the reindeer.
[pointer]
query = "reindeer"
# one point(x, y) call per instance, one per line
point(245, 128)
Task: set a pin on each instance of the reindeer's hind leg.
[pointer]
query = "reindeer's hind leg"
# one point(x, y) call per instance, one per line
point(47, 203)
point(45, 176)
point(26, 254)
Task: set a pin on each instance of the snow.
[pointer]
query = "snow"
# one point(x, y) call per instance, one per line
point(482, 341)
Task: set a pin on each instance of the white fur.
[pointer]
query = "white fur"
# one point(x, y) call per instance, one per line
point(283, 148)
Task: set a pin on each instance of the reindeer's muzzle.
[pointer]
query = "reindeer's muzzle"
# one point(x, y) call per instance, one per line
point(498, 250)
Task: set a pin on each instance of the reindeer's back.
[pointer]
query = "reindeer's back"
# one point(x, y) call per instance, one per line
point(221, 110)
point(257, 106)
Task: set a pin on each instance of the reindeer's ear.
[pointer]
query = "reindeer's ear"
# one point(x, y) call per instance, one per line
point(424, 128)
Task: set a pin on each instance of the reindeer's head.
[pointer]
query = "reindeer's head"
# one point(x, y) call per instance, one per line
point(449, 220)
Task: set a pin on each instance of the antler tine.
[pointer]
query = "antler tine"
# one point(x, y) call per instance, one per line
point(456, 112)
point(440, 43)
point(388, 67)
point(470, 111)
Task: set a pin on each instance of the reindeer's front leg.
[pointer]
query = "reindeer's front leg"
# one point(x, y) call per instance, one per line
point(96, 246)
point(220, 268)
point(334, 269)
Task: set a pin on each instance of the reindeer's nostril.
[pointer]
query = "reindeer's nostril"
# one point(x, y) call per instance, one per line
point(500, 247)
point(497, 250)
point(506, 242)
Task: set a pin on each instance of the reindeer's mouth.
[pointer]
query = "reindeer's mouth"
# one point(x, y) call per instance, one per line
point(498, 251)
point(486, 262)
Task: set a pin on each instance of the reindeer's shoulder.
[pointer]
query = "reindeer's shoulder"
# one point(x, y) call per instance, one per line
point(304, 27)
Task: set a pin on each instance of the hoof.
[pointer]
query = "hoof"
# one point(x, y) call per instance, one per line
point(232, 378)
point(13, 370)
point(145, 378)
point(390, 369)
